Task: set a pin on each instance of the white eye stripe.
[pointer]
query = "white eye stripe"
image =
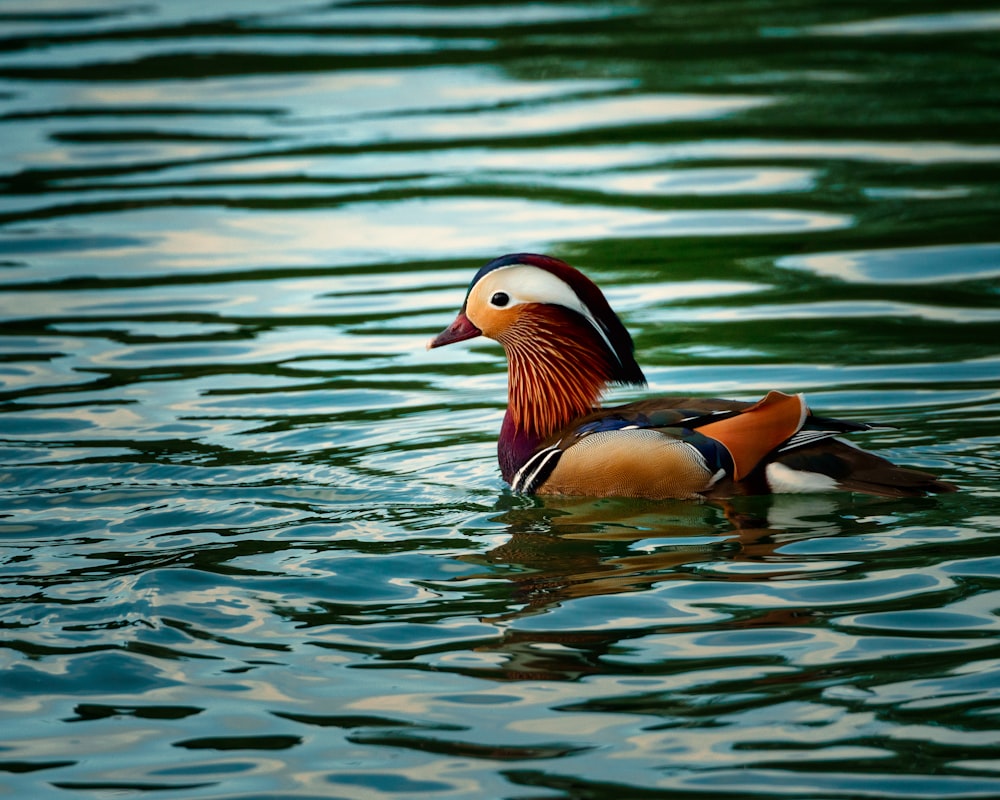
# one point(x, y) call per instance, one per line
point(523, 283)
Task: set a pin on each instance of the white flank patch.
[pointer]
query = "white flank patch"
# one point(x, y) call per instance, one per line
point(785, 480)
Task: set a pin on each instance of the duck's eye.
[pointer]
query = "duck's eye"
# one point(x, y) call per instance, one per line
point(500, 299)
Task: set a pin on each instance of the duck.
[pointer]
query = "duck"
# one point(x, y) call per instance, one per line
point(566, 348)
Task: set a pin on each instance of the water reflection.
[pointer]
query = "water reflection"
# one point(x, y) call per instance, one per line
point(694, 181)
point(905, 265)
point(915, 25)
point(552, 554)
point(437, 228)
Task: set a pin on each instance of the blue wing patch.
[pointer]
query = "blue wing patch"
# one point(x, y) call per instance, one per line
point(612, 423)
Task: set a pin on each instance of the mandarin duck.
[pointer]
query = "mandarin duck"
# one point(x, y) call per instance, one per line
point(565, 346)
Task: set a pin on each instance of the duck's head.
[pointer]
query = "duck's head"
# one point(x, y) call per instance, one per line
point(541, 308)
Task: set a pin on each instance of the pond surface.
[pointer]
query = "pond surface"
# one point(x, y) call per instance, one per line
point(255, 542)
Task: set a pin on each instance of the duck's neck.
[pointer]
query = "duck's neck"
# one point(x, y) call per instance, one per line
point(514, 447)
point(549, 384)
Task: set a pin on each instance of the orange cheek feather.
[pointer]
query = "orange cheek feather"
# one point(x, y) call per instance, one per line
point(557, 369)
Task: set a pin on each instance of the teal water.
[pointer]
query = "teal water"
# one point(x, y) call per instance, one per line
point(254, 540)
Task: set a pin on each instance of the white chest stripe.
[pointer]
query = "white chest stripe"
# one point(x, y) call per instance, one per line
point(526, 477)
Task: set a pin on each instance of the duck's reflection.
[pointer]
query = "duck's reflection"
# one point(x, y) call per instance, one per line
point(562, 550)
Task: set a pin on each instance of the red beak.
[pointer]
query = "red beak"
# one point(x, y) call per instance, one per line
point(460, 330)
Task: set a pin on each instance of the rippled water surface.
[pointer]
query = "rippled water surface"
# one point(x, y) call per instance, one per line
point(255, 543)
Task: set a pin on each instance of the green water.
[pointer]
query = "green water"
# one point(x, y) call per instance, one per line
point(254, 540)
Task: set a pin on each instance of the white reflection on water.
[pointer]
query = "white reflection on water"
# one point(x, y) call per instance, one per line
point(940, 264)
point(486, 16)
point(556, 165)
point(626, 298)
point(437, 227)
point(202, 240)
point(92, 53)
point(330, 95)
point(834, 310)
point(582, 114)
point(915, 24)
point(749, 381)
point(916, 193)
point(790, 150)
point(696, 181)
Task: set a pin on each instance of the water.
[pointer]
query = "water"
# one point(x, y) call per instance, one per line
point(254, 539)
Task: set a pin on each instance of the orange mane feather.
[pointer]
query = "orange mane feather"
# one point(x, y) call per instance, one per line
point(558, 369)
